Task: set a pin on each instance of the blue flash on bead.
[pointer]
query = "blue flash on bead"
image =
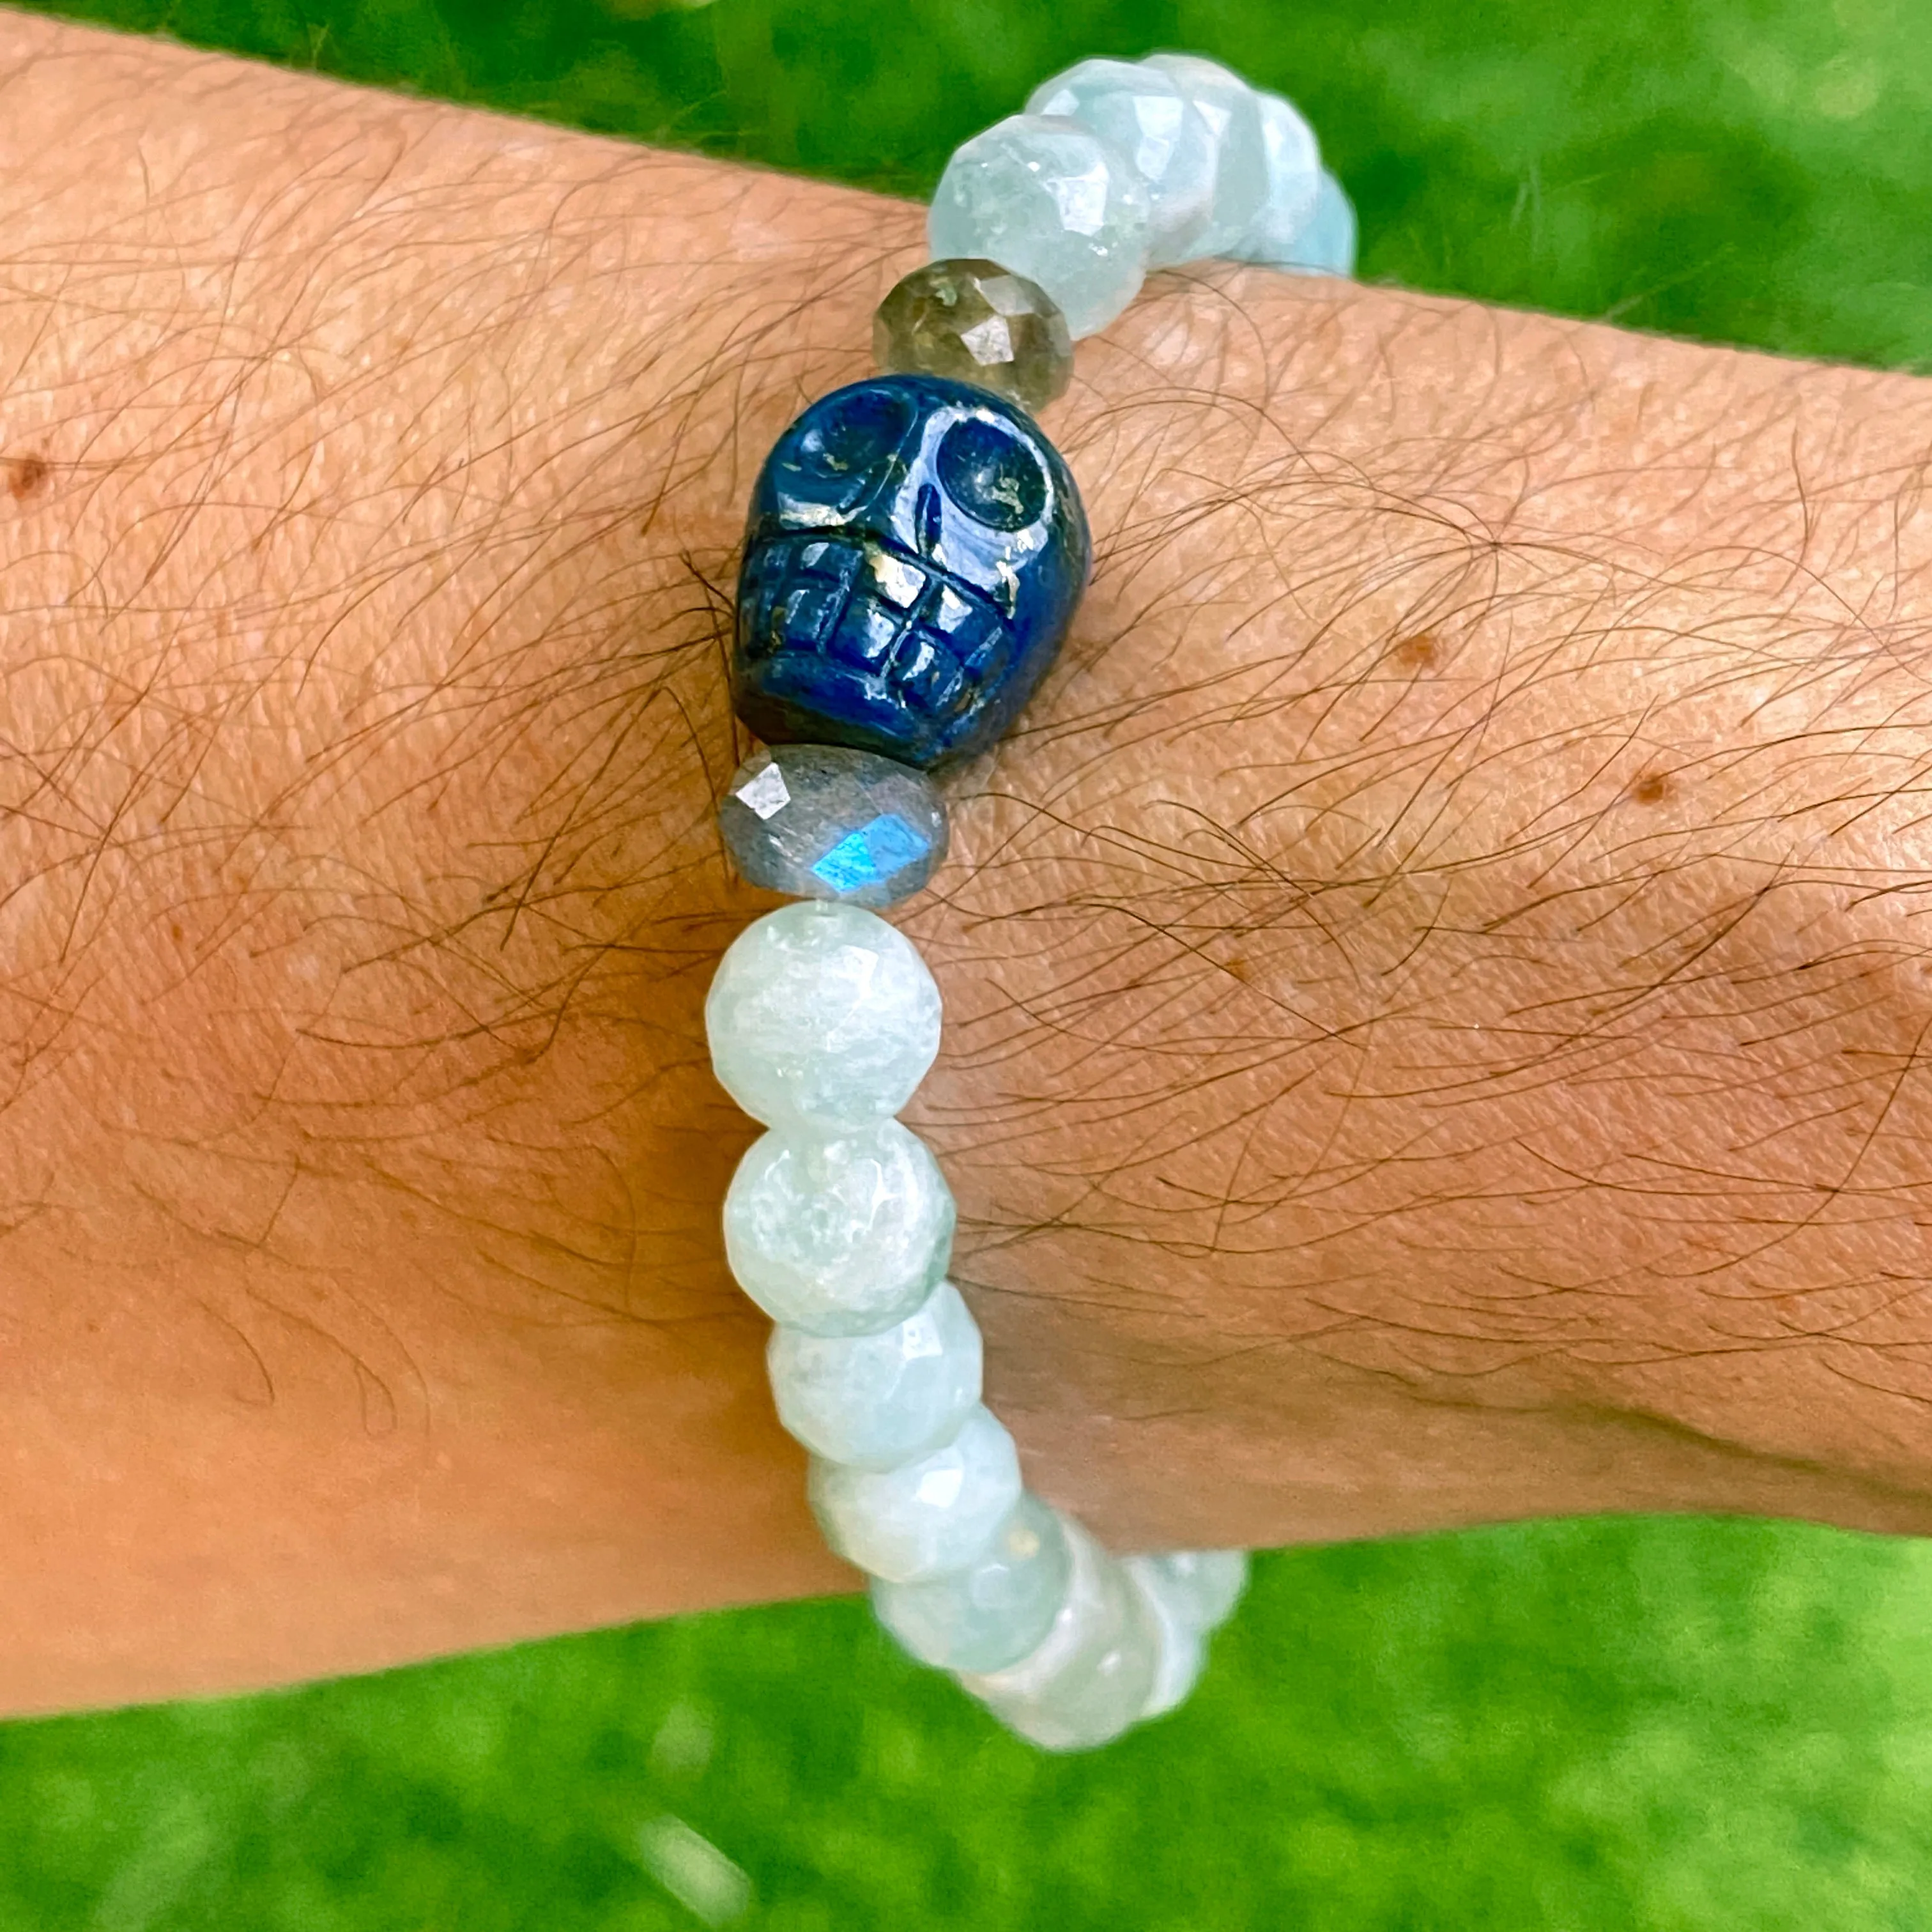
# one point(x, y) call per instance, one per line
point(915, 552)
point(872, 854)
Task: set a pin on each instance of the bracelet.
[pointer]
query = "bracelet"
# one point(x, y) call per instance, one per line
point(915, 551)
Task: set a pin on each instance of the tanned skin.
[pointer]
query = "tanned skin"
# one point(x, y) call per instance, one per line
point(1438, 987)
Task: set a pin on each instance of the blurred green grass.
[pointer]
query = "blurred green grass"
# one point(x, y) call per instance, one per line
point(1564, 1726)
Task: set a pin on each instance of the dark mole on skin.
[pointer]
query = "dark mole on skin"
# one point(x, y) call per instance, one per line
point(1653, 788)
point(1416, 653)
point(27, 476)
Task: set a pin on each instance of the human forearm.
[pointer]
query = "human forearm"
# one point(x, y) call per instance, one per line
point(1381, 1077)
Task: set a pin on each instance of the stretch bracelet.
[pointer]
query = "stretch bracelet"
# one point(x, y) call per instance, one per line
point(915, 552)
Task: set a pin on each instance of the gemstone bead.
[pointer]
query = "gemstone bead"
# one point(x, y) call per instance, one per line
point(1093, 1674)
point(1294, 184)
point(1326, 246)
point(844, 1236)
point(1055, 203)
point(924, 1519)
point(1228, 104)
point(995, 1612)
point(1143, 113)
point(874, 1402)
point(915, 550)
point(825, 822)
point(975, 322)
point(1202, 1585)
point(1183, 1648)
point(821, 1016)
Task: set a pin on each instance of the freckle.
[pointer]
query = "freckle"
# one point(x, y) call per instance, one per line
point(1239, 969)
point(1419, 652)
point(1653, 788)
point(27, 476)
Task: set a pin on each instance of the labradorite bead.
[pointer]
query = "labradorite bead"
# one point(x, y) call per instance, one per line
point(975, 322)
point(825, 822)
point(1228, 104)
point(993, 1613)
point(1145, 115)
point(821, 1017)
point(1056, 203)
point(875, 1401)
point(839, 1236)
point(915, 550)
point(925, 1518)
point(1093, 1674)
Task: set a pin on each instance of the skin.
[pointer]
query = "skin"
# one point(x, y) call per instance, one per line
point(1437, 986)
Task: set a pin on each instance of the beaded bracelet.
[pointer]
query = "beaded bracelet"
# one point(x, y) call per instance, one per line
point(915, 551)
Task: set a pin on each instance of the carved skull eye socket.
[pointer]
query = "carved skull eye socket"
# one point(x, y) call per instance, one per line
point(992, 474)
point(853, 436)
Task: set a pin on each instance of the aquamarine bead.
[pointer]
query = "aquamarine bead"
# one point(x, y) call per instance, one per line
point(1183, 1650)
point(1228, 104)
point(1093, 1673)
point(996, 1611)
point(843, 1235)
point(1326, 246)
point(926, 1518)
point(821, 1015)
point(1203, 1585)
point(1144, 114)
point(827, 822)
point(1294, 184)
point(876, 1401)
point(1053, 201)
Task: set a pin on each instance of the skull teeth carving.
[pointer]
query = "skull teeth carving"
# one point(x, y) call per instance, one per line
point(916, 551)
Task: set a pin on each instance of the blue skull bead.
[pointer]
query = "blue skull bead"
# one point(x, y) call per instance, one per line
point(915, 550)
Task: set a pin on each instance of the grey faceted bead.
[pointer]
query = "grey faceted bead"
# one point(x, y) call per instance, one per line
point(994, 1613)
point(825, 822)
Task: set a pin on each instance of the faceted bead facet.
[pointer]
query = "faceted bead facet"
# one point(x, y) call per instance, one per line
point(995, 1612)
point(821, 1016)
point(915, 550)
point(1294, 185)
point(1092, 1675)
point(1326, 245)
point(844, 1236)
point(975, 322)
point(825, 822)
point(874, 1402)
point(1144, 114)
point(1055, 203)
point(1202, 1586)
point(924, 1519)
point(1228, 104)
point(1183, 1650)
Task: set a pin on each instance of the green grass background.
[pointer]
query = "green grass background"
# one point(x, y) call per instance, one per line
point(1562, 1727)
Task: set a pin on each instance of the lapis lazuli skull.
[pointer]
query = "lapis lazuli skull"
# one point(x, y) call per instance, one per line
point(915, 550)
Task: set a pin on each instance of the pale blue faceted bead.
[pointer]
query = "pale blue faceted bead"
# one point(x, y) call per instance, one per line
point(925, 1518)
point(1053, 201)
point(840, 1235)
point(821, 1015)
point(1203, 1585)
point(1294, 185)
point(993, 1612)
point(827, 822)
point(1327, 245)
point(1233, 114)
point(1093, 1674)
point(876, 1401)
point(1183, 1642)
point(1144, 114)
